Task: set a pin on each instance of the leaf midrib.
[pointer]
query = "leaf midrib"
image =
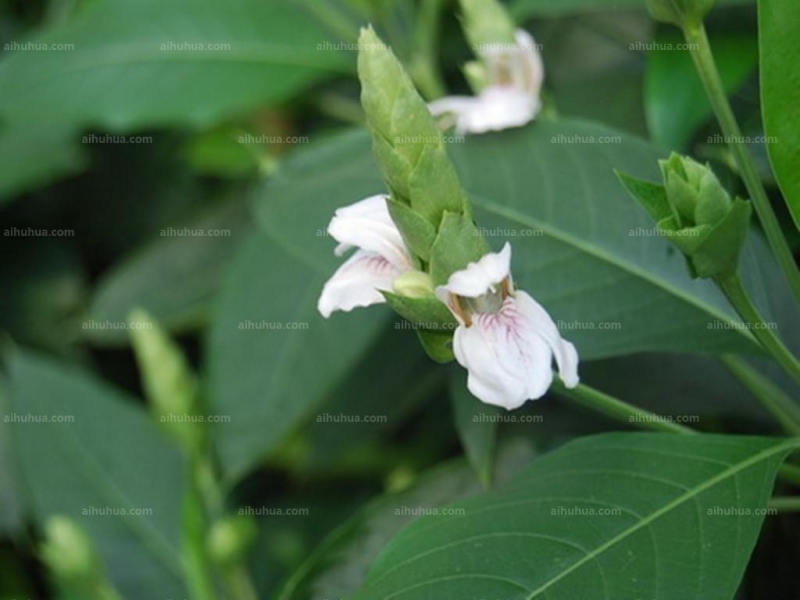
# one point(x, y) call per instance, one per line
point(690, 494)
point(608, 258)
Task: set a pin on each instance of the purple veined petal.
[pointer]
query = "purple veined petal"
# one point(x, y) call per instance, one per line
point(368, 225)
point(507, 361)
point(356, 283)
point(540, 321)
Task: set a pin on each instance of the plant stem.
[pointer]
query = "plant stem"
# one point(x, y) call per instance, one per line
point(734, 290)
point(771, 397)
point(703, 59)
point(619, 410)
point(785, 503)
point(644, 419)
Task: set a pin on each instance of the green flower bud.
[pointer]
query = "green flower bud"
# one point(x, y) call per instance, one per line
point(680, 12)
point(231, 538)
point(477, 76)
point(73, 563)
point(693, 191)
point(414, 284)
point(697, 214)
point(406, 142)
point(168, 382)
point(486, 24)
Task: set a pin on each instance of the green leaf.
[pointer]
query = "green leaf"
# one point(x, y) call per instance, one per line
point(616, 515)
point(123, 73)
point(458, 244)
point(675, 100)
point(272, 358)
point(476, 424)
point(33, 154)
point(175, 277)
point(581, 247)
point(652, 196)
point(780, 83)
point(96, 457)
point(339, 565)
point(551, 8)
point(11, 520)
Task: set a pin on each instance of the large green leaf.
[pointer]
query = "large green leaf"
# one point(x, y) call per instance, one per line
point(581, 247)
point(675, 100)
point(780, 86)
point(33, 154)
point(612, 516)
point(528, 8)
point(123, 66)
point(87, 452)
point(272, 358)
point(134, 64)
point(174, 278)
point(340, 564)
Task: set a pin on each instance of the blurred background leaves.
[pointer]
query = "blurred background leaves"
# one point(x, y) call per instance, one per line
point(122, 152)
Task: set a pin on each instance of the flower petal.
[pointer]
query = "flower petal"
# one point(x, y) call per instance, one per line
point(356, 283)
point(507, 361)
point(564, 352)
point(531, 67)
point(479, 277)
point(498, 108)
point(368, 225)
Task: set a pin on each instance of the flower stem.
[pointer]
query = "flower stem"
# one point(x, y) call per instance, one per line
point(644, 419)
point(772, 398)
point(734, 290)
point(617, 409)
point(700, 50)
point(785, 503)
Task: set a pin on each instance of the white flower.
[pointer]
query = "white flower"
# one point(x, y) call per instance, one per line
point(381, 256)
point(512, 97)
point(505, 339)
